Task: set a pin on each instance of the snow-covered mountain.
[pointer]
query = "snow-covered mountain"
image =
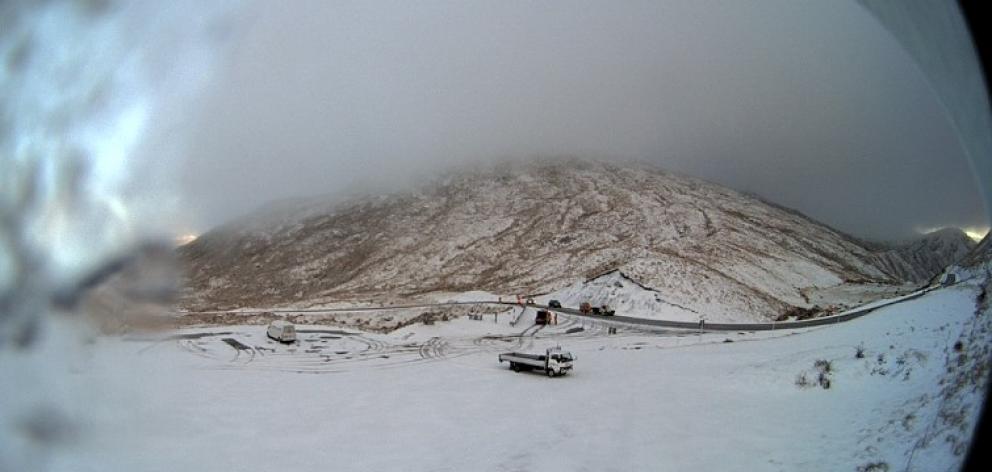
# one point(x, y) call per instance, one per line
point(920, 259)
point(532, 229)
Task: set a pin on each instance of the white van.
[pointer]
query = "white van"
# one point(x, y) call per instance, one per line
point(282, 331)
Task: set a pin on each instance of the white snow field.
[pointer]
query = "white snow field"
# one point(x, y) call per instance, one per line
point(435, 398)
point(629, 298)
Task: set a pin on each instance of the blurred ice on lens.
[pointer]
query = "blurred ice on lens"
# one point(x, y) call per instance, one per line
point(88, 92)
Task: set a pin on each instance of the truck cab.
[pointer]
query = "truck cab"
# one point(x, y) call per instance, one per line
point(558, 361)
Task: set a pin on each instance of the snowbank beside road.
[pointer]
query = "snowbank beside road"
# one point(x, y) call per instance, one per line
point(628, 298)
point(632, 299)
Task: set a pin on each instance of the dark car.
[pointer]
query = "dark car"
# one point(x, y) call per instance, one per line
point(554, 304)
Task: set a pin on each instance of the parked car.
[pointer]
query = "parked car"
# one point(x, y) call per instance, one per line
point(282, 331)
point(554, 304)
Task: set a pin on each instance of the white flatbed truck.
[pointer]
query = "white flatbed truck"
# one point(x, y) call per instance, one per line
point(553, 362)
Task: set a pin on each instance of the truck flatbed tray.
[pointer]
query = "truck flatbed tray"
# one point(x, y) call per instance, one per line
point(536, 357)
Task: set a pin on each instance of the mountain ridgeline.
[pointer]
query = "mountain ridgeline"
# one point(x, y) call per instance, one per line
point(917, 261)
point(536, 228)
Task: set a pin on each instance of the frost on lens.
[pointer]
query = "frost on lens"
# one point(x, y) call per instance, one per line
point(84, 88)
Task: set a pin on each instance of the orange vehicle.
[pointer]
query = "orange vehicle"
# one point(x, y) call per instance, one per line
point(585, 308)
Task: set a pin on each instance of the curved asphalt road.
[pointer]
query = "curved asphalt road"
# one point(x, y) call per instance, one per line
point(826, 320)
point(840, 318)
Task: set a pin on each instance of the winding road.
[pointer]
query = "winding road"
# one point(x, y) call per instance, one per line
point(620, 319)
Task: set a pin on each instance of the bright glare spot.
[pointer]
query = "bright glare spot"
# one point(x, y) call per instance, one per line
point(185, 239)
point(976, 234)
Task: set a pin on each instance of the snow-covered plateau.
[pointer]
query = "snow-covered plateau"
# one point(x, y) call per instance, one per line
point(899, 389)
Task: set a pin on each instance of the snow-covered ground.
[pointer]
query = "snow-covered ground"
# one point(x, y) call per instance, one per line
point(629, 298)
point(434, 397)
point(622, 295)
point(849, 295)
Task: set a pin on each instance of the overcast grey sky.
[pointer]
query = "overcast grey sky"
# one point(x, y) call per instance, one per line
point(810, 104)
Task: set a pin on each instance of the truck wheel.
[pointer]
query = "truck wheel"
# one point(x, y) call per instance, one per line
point(551, 373)
point(514, 367)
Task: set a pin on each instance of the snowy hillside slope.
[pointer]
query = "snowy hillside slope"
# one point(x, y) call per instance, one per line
point(980, 255)
point(531, 229)
point(919, 260)
point(622, 294)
